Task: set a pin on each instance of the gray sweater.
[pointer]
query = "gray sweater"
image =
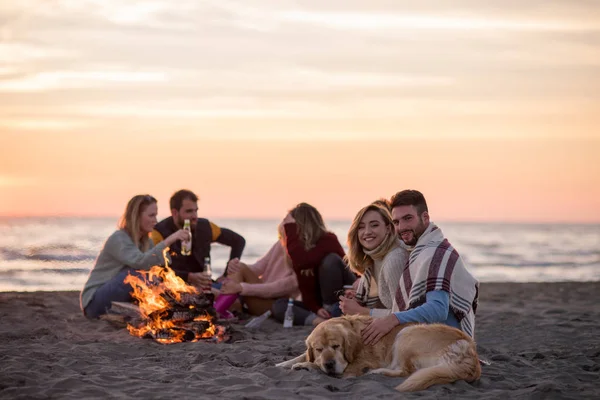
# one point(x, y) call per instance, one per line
point(388, 273)
point(119, 252)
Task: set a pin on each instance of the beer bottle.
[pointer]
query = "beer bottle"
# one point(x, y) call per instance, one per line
point(186, 245)
point(207, 268)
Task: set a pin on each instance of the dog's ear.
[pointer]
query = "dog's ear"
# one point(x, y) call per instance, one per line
point(310, 355)
point(352, 343)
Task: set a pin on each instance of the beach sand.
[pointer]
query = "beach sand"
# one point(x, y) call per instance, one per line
point(543, 340)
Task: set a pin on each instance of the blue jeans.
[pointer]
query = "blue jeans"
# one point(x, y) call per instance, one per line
point(113, 290)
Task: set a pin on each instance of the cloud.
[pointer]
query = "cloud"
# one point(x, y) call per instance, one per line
point(42, 124)
point(193, 60)
point(15, 53)
point(52, 80)
point(389, 21)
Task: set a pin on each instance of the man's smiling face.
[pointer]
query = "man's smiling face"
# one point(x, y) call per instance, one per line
point(409, 224)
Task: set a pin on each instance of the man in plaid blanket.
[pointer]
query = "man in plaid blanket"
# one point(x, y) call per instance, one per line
point(435, 286)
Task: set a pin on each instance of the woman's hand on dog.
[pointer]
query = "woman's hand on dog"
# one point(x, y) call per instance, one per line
point(349, 306)
point(379, 328)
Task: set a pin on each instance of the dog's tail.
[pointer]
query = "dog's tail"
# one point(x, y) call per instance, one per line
point(460, 363)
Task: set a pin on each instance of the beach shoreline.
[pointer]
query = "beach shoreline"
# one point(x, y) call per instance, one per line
point(541, 339)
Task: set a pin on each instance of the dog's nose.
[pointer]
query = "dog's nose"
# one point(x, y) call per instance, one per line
point(330, 365)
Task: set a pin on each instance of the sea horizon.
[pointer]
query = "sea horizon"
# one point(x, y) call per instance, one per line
point(234, 218)
point(57, 252)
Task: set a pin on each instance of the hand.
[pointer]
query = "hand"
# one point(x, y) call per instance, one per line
point(351, 293)
point(350, 306)
point(288, 219)
point(231, 287)
point(323, 313)
point(179, 235)
point(200, 280)
point(233, 266)
point(379, 328)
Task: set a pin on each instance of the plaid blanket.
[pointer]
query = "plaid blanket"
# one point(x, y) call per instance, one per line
point(435, 265)
point(363, 290)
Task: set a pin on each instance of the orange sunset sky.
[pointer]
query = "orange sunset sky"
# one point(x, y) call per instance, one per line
point(490, 108)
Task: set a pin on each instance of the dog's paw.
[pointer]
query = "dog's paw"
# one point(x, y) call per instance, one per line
point(374, 371)
point(283, 364)
point(299, 366)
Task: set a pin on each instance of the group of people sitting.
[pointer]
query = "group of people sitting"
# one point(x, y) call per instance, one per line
point(399, 268)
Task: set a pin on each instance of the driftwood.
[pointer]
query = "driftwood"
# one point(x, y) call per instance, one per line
point(123, 308)
point(121, 313)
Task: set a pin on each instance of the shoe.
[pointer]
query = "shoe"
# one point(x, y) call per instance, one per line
point(227, 316)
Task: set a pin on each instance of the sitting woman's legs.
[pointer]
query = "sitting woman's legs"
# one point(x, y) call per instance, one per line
point(113, 290)
point(302, 316)
point(256, 305)
point(333, 275)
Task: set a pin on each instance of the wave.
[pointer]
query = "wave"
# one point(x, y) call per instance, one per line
point(48, 254)
point(51, 271)
point(534, 264)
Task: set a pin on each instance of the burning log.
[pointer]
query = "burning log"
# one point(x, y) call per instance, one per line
point(196, 300)
point(197, 326)
point(177, 315)
point(173, 335)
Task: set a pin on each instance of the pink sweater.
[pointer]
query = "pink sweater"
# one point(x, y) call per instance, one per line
point(279, 279)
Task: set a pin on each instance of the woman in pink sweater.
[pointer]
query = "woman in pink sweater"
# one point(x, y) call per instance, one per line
point(263, 282)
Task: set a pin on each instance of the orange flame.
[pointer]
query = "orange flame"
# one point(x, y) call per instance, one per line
point(152, 292)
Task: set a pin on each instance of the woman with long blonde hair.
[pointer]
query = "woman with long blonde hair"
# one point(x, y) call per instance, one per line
point(317, 259)
point(375, 253)
point(125, 251)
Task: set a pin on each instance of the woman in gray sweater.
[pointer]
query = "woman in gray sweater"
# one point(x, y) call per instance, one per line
point(126, 251)
point(374, 252)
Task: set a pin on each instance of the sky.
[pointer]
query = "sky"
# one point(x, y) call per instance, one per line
point(491, 109)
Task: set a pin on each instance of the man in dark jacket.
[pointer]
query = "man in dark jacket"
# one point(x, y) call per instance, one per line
point(184, 205)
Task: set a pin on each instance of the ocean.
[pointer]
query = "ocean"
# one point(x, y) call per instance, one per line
point(57, 253)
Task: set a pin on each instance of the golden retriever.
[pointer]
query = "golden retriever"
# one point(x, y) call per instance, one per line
point(428, 354)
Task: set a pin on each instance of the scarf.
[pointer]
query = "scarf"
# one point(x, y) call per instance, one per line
point(364, 286)
point(435, 265)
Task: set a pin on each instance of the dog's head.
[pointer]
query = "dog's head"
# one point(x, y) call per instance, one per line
point(334, 344)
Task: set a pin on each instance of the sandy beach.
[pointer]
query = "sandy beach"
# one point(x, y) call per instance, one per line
point(543, 340)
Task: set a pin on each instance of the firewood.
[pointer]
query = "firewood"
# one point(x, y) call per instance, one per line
point(123, 308)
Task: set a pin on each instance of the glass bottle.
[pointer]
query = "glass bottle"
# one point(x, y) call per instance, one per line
point(186, 245)
point(288, 320)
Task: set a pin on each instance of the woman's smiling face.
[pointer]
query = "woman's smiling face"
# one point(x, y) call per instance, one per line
point(372, 230)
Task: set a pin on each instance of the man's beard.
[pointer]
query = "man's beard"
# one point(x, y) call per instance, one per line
point(416, 234)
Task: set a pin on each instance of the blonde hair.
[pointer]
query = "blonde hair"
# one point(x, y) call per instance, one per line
point(130, 220)
point(309, 223)
point(357, 259)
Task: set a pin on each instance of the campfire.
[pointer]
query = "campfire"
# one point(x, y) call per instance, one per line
point(172, 311)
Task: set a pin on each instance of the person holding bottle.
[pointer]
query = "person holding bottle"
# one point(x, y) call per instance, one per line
point(126, 251)
point(184, 205)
